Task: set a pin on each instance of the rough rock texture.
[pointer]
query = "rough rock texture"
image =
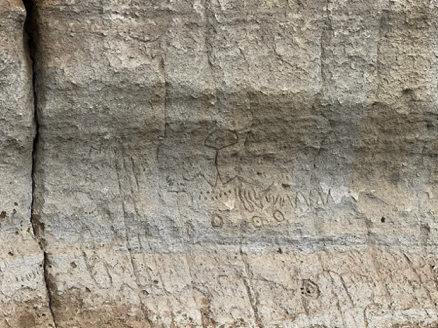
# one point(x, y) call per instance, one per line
point(23, 294)
point(220, 163)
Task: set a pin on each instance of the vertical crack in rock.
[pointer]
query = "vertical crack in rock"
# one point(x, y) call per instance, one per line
point(31, 35)
point(48, 284)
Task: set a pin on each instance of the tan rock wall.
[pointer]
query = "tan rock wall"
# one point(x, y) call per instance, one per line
point(23, 294)
point(230, 163)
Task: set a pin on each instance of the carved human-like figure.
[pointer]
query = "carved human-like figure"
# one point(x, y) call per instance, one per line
point(220, 139)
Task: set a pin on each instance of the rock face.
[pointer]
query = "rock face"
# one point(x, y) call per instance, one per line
point(23, 293)
point(219, 164)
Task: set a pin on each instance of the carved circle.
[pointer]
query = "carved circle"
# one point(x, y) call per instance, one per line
point(257, 221)
point(217, 221)
point(278, 216)
point(310, 289)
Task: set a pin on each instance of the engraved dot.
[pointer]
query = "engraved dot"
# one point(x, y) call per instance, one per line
point(257, 221)
point(278, 216)
point(217, 221)
point(310, 289)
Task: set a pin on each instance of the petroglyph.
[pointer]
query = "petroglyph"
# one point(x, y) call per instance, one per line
point(220, 139)
point(278, 216)
point(258, 199)
point(251, 201)
point(310, 289)
point(217, 221)
point(257, 221)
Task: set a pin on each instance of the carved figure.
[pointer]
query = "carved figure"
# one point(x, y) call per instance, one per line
point(220, 139)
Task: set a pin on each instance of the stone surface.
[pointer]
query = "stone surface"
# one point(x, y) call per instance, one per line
point(23, 293)
point(230, 163)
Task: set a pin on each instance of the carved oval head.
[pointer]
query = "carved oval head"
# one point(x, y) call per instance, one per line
point(219, 139)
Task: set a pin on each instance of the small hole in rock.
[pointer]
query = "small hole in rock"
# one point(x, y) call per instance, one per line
point(383, 219)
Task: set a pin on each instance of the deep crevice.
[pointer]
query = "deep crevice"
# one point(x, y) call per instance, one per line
point(48, 283)
point(31, 35)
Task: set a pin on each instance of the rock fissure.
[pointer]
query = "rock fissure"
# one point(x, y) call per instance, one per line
point(30, 30)
point(47, 283)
